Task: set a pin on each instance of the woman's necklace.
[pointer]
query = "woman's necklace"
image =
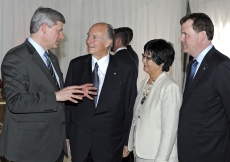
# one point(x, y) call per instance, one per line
point(146, 91)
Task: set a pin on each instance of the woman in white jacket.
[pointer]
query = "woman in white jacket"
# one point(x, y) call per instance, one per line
point(153, 132)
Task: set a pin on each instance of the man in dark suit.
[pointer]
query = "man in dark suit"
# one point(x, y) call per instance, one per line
point(203, 132)
point(34, 123)
point(129, 47)
point(120, 42)
point(98, 131)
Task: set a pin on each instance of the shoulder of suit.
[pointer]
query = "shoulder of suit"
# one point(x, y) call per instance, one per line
point(81, 57)
point(217, 58)
point(120, 60)
point(18, 49)
point(168, 80)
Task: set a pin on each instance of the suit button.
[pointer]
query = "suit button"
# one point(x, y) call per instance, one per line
point(139, 116)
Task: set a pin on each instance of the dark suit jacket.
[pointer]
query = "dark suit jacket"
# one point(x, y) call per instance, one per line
point(104, 130)
point(133, 54)
point(126, 56)
point(34, 128)
point(203, 132)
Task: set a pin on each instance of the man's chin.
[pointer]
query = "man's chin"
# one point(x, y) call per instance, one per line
point(89, 50)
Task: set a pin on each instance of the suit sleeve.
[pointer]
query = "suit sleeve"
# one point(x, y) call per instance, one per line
point(17, 84)
point(170, 106)
point(130, 96)
point(222, 86)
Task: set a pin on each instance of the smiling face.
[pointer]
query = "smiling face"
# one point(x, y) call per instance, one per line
point(54, 35)
point(96, 42)
point(189, 39)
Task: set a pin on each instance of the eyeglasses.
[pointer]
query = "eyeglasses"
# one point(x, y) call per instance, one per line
point(145, 57)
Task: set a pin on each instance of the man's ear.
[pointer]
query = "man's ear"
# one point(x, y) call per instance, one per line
point(43, 28)
point(203, 35)
point(109, 42)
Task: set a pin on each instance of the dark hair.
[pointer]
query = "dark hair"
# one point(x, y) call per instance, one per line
point(129, 32)
point(201, 22)
point(122, 34)
point(161, 52)
point(45, 16)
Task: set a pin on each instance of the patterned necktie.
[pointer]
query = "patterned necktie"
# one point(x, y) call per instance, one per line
point(49, 66)
point(95, 82)
point(192, 72)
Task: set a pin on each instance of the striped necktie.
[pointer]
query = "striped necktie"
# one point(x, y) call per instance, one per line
point(49, 66)
point(192, 72)
point(95, 82)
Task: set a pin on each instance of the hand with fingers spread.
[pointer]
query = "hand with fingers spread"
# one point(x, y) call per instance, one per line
point(88, 90)
point(71, 93)
point(74, 93)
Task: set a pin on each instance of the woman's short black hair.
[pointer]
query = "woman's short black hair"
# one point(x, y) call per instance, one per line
point(161, 51)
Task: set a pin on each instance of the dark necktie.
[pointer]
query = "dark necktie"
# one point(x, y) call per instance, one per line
point(96, 82)
point(192, 72)
point(49, 66)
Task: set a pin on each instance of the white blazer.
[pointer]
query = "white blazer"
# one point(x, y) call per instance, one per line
point(153, 132)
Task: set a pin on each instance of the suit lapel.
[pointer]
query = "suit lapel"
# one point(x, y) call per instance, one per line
point(38, 60)
point(57, 69)
point(110, 81)
point(87, 70)
point(201, 71)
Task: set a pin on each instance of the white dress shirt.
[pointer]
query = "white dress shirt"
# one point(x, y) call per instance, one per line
point(102, 68)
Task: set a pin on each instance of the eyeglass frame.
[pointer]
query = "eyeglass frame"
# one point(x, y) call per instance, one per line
point(147, 58)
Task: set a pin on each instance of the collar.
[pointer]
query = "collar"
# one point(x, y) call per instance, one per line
point(201, 56)
point(38, 48)
point(102, 63)
point(121, 48)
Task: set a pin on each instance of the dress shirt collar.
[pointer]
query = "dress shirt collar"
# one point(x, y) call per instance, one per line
point(201, 56)
point(120, 49)
point(102, 63)
point(38, 48)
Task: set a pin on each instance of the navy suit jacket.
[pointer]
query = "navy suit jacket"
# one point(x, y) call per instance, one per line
point(203, 132)
point(105, 130)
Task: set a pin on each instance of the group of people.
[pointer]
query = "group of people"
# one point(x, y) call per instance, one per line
point(97, 113)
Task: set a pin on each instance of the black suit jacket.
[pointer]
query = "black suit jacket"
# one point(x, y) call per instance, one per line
point(34, 123)
point(203, 132)
point(104, 130)
point(133, 54)
point(126, 56)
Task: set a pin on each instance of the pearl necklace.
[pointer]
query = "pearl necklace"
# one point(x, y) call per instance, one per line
point(146, 91)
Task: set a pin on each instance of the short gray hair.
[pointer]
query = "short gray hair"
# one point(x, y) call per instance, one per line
point(47, 16)
point(110, 34)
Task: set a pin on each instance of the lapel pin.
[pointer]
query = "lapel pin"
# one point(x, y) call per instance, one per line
point(115, 73)
point(204, 68)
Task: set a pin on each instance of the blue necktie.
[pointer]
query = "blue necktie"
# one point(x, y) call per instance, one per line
point(96, 82)
point(192, 72)
point(49, 66)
